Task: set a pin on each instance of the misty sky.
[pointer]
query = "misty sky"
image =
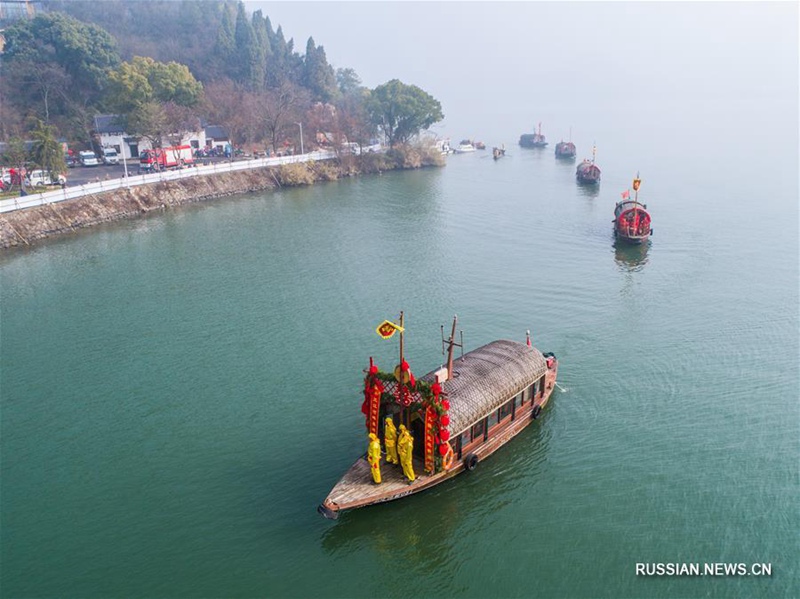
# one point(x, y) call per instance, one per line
point(499, 68)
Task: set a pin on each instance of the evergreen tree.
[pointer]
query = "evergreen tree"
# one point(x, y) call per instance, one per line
point(318, 75)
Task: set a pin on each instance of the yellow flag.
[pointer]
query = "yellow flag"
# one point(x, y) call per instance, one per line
point(387, 328)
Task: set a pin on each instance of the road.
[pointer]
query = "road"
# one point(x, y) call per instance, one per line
point(79, 175)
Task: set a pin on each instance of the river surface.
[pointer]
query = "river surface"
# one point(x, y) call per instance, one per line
point(179, 392)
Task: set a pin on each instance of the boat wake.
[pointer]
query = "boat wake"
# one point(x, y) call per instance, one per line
point(562, 389)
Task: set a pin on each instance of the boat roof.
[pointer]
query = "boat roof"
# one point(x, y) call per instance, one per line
point(626, 205)
point(487, 377)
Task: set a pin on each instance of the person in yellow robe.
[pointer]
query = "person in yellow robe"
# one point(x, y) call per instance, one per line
point(390, 440)
point(374, 457)
point(405, 447)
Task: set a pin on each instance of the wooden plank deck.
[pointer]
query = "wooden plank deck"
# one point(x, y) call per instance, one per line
point(356, 489)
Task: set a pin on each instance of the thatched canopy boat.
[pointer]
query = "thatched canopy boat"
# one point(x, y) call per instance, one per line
point(458, 415)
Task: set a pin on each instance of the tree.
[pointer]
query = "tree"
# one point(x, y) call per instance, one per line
point(56, 64)
point(318, 75)
point(348, 81)
point(401, 111)
point(155, 98)
point(47, 152)
point(15, 156)
point(282, 108)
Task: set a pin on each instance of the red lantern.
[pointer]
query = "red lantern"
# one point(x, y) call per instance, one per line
point(443, 449)
point(436, 389)
point(373, 369)
point(444, 434)
point(444, 420)
point(411, 380)
point(404, 366)
point(446, 404)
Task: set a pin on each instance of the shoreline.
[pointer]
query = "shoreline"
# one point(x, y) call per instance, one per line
point(23, 228)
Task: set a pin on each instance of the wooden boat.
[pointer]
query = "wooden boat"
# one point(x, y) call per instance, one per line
point(458, 415)
point(588, 173)
point(533, 140)
point(565, 149)
point(498, 153)
point(479, 145)
point(632, 222)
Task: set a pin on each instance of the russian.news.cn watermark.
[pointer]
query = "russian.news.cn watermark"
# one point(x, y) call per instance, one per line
point(703, 569)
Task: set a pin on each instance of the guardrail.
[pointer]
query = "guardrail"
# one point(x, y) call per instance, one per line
point(78, 191)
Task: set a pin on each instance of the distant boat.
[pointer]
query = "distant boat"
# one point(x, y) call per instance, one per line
point(588, 172)
point(498, 153)
point(565, 149)
point(533, 140)
point(632, 222)
point(464, 147)
point(479, 145)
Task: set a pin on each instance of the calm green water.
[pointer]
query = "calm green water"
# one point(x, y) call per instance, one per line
point(180, 392)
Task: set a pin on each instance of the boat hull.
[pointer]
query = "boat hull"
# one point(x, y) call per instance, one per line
point(565, 150)
point(356, 489)
point(587, 173)
point(632, 222)
point(633, 240)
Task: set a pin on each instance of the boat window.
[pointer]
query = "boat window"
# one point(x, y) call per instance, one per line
point(465, 438)
point(505, 409)
point(494, 418)
point(478, 429)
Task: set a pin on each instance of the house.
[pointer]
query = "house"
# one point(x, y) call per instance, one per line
point(216, 138)
point(110, 130)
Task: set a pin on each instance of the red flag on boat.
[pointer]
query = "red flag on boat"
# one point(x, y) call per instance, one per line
point(626, 194)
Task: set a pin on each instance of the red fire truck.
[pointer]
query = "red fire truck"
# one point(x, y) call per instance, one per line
point(164, 158)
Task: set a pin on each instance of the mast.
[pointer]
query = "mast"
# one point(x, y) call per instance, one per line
point(450, 346)
point(402, 330)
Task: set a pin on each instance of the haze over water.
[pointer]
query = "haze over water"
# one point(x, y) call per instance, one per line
point(180, 392)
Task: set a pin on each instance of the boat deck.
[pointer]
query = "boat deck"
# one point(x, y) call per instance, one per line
point(356, 489)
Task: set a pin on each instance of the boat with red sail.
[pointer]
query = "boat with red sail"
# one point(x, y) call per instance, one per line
point(456, 416)
point(588, 173)
point(632, 222)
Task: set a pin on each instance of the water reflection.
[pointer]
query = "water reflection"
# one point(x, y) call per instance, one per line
point(631, 258)
point(588, 190)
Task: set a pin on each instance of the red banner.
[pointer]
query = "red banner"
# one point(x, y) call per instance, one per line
point(430, 420)
point(374, 407)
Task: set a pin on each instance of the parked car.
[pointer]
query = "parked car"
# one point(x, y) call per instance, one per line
point(71, 161)
point(88, 158)
point(110, 156)
point(40, 177)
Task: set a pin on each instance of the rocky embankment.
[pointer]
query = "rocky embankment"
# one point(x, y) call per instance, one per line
point(25, 227)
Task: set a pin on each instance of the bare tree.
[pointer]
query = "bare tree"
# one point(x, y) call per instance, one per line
point(281, 109)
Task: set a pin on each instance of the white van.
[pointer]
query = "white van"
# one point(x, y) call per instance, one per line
point(88, 159)
point(37, 178)
point(110, 156)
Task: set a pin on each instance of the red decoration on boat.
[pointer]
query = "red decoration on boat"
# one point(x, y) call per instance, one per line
point(436, 389)
point(444, 420)
point(632, 223)
point(404, 366)
point(443, 449)
point(430, 420)
point(446, 404)
point(444, 434)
